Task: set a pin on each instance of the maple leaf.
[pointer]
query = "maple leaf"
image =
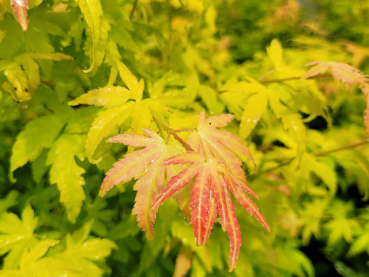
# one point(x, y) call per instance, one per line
point(211, 142)
point(209, 196)
point(345, 74)
point(115, 98)
point(146, 166)
point(217, 169)
point(341, 72)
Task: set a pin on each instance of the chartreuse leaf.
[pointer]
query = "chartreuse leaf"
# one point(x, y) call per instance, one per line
point(322, 170)
point(81, 251)
point(104, 122)
point(296, 128)
point(93, 14)
point(275, 53)
point(18, 83)
point(253, 110)
point(8, 201)
point(38, 134)
point(16, 236)
point(66, 173)
point(96, 49)
point(361, 243)
point(146, 166)
point(311, 216)
point(24, 75)
point(107, 97)
point(342, 225)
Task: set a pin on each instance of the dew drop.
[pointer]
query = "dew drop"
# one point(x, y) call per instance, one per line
point(186, 221)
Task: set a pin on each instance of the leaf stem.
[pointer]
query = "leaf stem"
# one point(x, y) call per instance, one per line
point(341, 148)
point(133, 10)
point(174, 134)
point(324, 76)
point(319, 154)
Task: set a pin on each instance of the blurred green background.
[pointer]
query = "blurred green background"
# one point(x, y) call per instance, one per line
point(318, 209)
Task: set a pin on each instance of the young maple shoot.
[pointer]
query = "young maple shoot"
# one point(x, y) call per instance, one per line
point(211, 155)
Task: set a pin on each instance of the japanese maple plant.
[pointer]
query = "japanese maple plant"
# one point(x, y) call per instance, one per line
point(207, 154)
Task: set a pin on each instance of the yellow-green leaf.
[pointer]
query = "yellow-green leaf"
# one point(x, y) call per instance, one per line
point(275, 53)
point(103, 123)
point(253, 110)
point(92, 12)
point(66, 173)
point(107, 97)
point(40, 133)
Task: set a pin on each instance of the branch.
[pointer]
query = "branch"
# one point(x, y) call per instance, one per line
point(174, 134)
point(325, 76)
point(319, 154)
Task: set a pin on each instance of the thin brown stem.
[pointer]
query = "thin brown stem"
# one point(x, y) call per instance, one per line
point(341, 148)
point(325, 76)
point(174, 134)
point(319, 154)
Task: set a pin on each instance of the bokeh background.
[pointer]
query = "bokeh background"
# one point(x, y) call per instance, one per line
point(313, 194)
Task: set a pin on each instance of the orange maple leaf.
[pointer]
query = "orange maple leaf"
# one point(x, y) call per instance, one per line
point(345, 74)
point(146, 166)
point(341, 72)
point(217, 169)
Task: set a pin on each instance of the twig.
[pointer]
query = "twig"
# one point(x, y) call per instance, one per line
point(133, 10)
point(341, 148)
point(320, 154)
point(295, 78)
point(174, 134)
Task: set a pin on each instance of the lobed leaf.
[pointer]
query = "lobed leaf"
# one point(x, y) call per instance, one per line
point(107, 97)
point(38, 134)
point(253, 110)
point(103, 123)
point(93, 13)
point(66, 173)
point(146, 166)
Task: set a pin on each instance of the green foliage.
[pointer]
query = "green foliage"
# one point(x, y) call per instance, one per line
point(76, 75)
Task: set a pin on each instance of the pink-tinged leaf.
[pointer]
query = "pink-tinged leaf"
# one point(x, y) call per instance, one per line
point(251, 208)
point(228, 218)
point(219, 120)
point(176, 183)
point(20, 8)
point(341, 72)
point(210, 195)
point(146, 166)
point(233, 164)
point(207, 135)
point(189, 157)
point(137, 140)
point(317, 69)
point(213, 212)
point(200, 205)
point(148, 188)
point(183, 261)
